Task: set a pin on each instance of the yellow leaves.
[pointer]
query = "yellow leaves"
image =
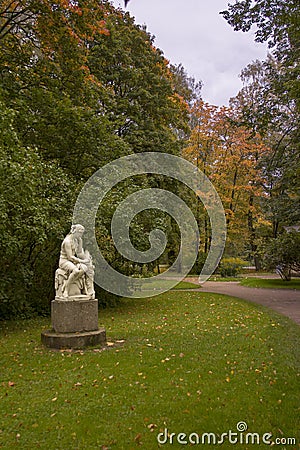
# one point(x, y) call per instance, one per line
point(179, 100)
point(229, 155)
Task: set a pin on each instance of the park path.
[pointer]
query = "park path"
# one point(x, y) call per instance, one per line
point(284, 301)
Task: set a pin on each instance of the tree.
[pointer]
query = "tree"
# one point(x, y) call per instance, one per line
point(143, 104)
point(92, 84)
point(81, 85)
point(184, 85)
point(283, 253)
point(230, 156)
point(263, 109)
point(36, 199)
point(278, 24)
point(46, 80)
point(275, 22)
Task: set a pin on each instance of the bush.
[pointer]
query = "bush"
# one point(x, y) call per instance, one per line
point(283, 254)
point(231, 267)
point(35, 209)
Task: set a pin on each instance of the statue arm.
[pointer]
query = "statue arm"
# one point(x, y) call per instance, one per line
point(69, 253)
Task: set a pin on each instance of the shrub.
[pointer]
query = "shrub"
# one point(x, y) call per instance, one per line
point(283, 254)
point(231, 267)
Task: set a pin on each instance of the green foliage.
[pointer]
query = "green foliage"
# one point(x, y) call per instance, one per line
point(209, 361)
point(270, 102)
point(141, 100)
point(187, 87)
point(283, 254)
point(275, 22)
point(231, 267)
point(81, 85)
point(265, 107)
point(35, 210)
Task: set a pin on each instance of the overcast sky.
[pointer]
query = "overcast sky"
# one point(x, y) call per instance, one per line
point(193, 33)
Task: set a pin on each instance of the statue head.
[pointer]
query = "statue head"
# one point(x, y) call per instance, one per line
point(77, 229)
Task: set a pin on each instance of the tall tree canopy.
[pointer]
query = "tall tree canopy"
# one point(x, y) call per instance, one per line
point(278, 23)
point(81, 84)
point(269, 102)
point(230, 155)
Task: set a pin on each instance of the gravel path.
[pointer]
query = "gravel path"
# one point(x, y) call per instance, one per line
point(284, 301)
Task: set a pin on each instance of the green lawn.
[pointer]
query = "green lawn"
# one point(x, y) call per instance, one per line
point(219, 278)
point(187, 285)
point(185, 361)
point(271, 283)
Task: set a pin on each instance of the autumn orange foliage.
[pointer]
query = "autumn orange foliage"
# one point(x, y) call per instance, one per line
point(232, 157)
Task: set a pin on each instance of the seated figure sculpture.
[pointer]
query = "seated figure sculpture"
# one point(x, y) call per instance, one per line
point(75, 275)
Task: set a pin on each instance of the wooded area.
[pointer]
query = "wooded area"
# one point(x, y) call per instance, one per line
point(82, 85)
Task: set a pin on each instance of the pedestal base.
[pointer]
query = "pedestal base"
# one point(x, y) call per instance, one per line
point(74, 324)
point(78, 340)
point(74, 314)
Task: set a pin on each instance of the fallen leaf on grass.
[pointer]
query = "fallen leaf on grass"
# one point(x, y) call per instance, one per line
point(137, 439)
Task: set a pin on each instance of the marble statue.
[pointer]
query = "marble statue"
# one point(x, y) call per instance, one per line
point(75, 274)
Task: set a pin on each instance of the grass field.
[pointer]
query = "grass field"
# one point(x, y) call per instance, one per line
point(271, 283)
point(186, 285)
point(182, 361)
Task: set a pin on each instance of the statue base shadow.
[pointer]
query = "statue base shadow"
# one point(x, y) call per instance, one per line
point(74, 324)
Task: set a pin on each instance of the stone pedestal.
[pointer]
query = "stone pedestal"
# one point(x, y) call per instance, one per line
point(74, 324)
point(75, 314)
